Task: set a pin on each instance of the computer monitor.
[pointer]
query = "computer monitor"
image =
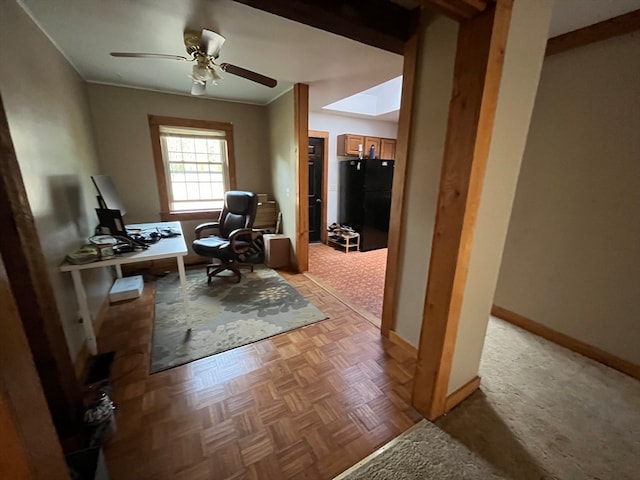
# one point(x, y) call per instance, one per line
point(111, 209)
point(108, 197)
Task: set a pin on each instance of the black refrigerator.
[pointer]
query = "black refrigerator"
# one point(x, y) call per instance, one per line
point(364, 201)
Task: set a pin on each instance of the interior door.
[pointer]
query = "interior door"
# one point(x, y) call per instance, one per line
point(316, 160)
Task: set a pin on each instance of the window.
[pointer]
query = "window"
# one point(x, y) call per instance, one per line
point(194, 166)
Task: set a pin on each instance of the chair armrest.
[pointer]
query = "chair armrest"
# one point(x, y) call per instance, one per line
point(242, 232)
point(206, 226)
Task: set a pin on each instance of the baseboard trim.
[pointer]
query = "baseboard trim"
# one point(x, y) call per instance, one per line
point(566, 341)
point(402, 343)
point(83, 356)
point(462, 393)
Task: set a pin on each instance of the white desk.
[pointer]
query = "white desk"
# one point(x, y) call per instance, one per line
point(165, 248)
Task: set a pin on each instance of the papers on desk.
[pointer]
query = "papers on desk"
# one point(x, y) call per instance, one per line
point(85, 254)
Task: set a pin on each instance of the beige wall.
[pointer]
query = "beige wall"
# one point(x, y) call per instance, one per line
point(572, 256)
point(284, 162)
point(434, 76)
point(46, 106)
point(523, 61)
point(337, 125)
point(124, 146)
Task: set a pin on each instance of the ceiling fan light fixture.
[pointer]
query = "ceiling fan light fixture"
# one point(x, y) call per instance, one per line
point(215, 77)
point(198, 88)
point(202, 73)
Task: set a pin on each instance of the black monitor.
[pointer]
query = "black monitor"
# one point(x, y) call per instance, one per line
point(111, 210)
point(108, 197)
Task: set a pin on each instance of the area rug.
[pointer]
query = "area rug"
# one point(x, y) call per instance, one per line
point(357, 275)
point(223, 315)
point(422, 452)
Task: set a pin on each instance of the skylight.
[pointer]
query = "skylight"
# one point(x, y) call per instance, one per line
point(378, 100)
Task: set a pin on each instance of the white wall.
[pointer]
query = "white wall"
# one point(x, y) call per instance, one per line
point(434, 75)
point(284, 163)
point(522, 65)
point(124, 143)
point(337, 125)
point(572, 255)
point(46, 105)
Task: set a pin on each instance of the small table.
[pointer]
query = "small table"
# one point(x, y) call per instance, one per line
point(350, 240)
point(165, 248)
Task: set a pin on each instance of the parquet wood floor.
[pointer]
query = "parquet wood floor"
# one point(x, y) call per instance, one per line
point(306, 404)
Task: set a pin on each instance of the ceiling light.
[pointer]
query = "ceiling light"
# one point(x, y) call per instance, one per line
point(215, 78)
point(202, 73)
point(198, 88)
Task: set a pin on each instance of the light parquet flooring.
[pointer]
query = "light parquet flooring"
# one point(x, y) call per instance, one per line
point(306, 404)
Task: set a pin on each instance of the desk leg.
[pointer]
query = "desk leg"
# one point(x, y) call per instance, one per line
point(118, 268)
point(87, 323)
point(185, 295)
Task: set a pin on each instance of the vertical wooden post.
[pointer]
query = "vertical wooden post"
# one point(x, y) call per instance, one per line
point(29, 448)
point(29, 279)
point(478, 70)
point(392, 275)
point(301, 127)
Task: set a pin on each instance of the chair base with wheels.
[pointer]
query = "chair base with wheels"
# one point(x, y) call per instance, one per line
point(213, 269)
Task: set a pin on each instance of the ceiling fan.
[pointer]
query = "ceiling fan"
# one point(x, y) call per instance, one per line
point(204, 48)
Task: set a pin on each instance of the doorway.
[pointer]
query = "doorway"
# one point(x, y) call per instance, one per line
point(317, 203)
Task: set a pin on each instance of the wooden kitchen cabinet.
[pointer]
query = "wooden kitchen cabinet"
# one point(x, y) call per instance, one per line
point(368, 141)
point(387, 149)
point(348, 144)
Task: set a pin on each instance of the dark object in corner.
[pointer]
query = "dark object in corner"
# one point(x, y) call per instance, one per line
point(87, 464)
point(100, 368)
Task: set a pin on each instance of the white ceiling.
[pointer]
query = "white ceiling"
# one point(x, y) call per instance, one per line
point(334, 67)
point(87, 30)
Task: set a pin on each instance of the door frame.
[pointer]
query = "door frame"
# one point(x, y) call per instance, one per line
point(37, 380)
point(325, 178)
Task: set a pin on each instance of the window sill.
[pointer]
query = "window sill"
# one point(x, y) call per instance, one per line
point(210, 215)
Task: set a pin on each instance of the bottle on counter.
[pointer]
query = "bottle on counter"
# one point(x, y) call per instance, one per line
point(372, 151)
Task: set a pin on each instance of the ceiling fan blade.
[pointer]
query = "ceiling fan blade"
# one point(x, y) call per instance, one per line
point(148, 55)
point(249, 75)
point(211, 42)
point(198, 88)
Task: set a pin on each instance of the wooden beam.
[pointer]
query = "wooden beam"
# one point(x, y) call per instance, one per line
point(394, 252)
point(621, 25)
point(459, 10)
point(27, 272)
point(477, 73)
point(29, 448)
point(301, 127)
point(379, 23)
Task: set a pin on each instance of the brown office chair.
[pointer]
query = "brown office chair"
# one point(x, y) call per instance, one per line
point(234, 234)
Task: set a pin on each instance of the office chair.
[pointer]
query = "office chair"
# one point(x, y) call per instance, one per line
point(234, 234)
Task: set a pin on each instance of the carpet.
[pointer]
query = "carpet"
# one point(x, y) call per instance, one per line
point(422, 452)
point(357, 275)
point(542, 412)
point(223, 315)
